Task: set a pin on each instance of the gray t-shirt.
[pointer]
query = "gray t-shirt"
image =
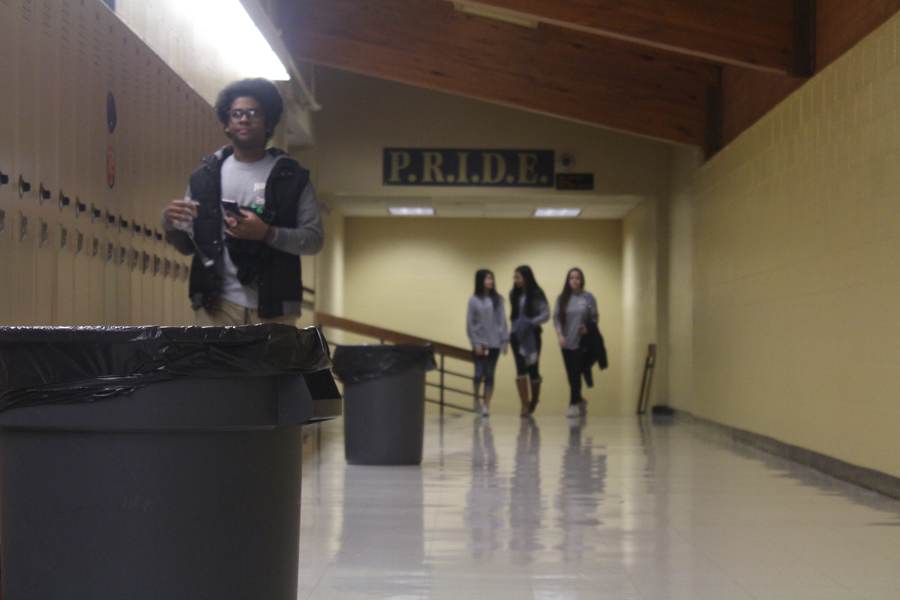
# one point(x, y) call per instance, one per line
point(245, 183)
point(581, 309)
point(485, 324)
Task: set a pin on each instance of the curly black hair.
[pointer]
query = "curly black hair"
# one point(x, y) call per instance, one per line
point(263, 90)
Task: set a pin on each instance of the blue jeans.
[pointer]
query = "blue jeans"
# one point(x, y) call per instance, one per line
point(485, 365)
point(521, 368)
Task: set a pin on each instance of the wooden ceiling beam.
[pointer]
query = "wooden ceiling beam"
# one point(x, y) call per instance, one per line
point(552, 70)
point(755, 34)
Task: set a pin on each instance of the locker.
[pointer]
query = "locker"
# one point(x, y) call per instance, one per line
point(138, 301)
point(25, 159)
point(97, 282)
point(64, 291)
point(47, 158)
point(9, 16)
point(159, 289)
point(26, 264)
point(110, 282)
point(123, 283)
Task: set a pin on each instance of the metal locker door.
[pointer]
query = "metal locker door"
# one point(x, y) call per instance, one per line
point(9, 16)
point(110, 281)
point(96, 281)
point(123, 281)
point(138, 301)
point(64, 293)
point(81, 249)
point(48, 151)
point(24, 177)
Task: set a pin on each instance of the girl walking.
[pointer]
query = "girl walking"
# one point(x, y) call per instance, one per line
point(529, 309)
point(574, 309)
point(488, 334)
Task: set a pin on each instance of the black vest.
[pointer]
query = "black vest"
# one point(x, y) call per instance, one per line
point(276, 273)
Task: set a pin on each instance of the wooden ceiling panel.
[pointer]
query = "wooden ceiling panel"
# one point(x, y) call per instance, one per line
point(750, 33)
point(551, 69)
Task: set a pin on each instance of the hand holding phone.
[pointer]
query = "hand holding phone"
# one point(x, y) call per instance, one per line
point(231, 206)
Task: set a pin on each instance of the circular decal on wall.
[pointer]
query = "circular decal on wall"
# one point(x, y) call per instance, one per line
point(111, 112)
point(110, 167)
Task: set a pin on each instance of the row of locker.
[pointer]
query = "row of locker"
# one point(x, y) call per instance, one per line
point(53, 275)
point(98, 135)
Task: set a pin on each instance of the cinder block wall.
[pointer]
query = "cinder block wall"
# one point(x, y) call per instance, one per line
point(796, 267)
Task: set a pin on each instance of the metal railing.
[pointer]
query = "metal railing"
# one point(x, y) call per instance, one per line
point(443, 352)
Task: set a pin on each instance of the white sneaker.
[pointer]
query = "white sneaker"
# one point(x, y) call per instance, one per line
point(572, 411)
point(485, 410)
point(582, 408)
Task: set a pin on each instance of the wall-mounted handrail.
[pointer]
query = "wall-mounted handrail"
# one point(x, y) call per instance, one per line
point(396, 337)
point(442, 350)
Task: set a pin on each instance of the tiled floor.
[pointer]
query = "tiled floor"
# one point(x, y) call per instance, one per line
point(605, 508)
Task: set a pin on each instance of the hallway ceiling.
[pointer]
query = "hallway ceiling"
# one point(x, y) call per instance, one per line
point(648, 67)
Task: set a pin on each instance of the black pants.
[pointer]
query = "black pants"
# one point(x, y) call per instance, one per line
point(573, 360)
point(521, 368)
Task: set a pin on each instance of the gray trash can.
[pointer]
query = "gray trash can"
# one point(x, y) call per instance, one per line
point(149, 463)
point(384, 402)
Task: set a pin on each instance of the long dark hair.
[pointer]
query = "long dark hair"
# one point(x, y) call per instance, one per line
point(566, 294)
point(533, 293)
point(480, 276)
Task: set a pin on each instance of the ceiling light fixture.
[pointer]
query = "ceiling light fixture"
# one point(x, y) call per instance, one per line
point(411, 211)
point(557, 212)
point(479, 11)
point(221, 22)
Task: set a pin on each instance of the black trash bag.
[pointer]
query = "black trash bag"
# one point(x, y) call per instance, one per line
point(55, 365)
point(355, 364)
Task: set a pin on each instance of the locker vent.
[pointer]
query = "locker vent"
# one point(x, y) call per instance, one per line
point(65, 27)
point(27, 10)
point(47, 18)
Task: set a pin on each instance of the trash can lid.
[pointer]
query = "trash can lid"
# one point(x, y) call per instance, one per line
point(49, 365)
point(354, 364)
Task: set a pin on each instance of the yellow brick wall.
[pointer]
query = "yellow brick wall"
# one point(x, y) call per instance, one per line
point(796, 267)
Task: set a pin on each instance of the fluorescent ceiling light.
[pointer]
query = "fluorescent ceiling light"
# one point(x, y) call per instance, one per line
point(479, 11)
point(557, 212)
point(226, 26)
point(411, 211)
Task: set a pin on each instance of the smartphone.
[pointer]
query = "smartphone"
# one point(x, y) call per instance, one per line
point(231, 206)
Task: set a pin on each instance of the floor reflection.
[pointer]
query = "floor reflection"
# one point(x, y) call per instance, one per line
point(525, 499)
point(581, 488)
point(382, 542)
point(486, 499)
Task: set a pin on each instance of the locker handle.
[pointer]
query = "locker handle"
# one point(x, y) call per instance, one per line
point(2, 221)
point(80, 207)
point(148, 232)
point(137, 229)
point(4, 179)
point(43, 194)
point(110, 219)
point(96, 213)
point(63, 200)
point(24, 187)
point(123, 224)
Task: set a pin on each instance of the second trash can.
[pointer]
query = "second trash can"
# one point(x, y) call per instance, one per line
point(384, 402)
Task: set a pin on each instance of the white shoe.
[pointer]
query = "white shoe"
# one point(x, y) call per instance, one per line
point(582, 408)
point(485, 410)
point(572, 411)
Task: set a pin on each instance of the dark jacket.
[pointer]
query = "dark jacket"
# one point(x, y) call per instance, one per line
point(276, 273)
point(593, 350)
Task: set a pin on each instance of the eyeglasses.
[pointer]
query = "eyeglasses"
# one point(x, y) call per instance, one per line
point(254, 114)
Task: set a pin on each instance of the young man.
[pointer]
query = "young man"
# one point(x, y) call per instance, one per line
point(251, 212)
